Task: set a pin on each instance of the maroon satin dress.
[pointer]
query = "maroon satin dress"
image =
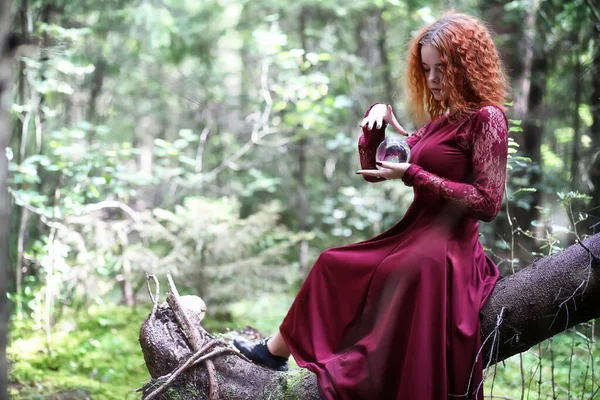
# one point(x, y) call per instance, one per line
point(396, 317)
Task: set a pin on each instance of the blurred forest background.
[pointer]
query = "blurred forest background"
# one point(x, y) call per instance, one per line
point(216, 139)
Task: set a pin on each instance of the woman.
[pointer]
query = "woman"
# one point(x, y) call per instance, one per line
point(396, 316)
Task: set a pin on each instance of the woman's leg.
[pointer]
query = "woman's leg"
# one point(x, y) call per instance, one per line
point(277, 346)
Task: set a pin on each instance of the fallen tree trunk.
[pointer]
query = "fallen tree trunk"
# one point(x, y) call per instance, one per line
point(546, 298)
point(553, 294)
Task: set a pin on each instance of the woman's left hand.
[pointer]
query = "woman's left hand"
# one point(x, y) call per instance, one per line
point(386, 170)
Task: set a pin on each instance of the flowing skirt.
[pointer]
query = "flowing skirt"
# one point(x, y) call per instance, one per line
point(397, 316)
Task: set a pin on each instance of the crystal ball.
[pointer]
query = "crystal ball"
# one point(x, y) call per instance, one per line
point(393, 149)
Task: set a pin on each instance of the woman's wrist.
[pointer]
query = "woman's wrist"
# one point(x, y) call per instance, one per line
point(409, 175)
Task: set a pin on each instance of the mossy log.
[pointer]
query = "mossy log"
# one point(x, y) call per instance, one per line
point(549, 296)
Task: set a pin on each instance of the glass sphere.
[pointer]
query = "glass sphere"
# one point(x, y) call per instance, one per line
point(393, 149)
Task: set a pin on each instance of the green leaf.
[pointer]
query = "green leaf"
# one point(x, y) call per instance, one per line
point(187, 160)
point(525, 159)
point(94, 191)
point(162, 143)
point(526, 190)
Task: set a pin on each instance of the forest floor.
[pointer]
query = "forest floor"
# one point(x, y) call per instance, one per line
point(95, 354)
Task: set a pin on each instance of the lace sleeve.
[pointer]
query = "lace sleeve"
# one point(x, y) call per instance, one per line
point(367, 146)
point(370, 139)
point(489, 148)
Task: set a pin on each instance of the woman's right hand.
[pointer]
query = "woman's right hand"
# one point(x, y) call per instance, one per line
point(380, 113)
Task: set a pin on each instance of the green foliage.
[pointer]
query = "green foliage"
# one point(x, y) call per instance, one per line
point(96, 351)
point(520, 171)
point(566, 362)
point(220, 255)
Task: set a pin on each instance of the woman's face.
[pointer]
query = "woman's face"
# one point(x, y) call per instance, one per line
point(430, 56)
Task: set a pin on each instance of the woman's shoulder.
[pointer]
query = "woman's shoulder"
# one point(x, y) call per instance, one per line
point(481, 113)
point(484, 119)
point(487, 114)
point(490, 112)
point(489, 121)
point(466, 121)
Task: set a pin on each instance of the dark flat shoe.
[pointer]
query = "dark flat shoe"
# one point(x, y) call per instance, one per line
point(259, 354)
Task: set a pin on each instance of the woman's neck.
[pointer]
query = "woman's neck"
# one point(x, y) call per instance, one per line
point(451, 109)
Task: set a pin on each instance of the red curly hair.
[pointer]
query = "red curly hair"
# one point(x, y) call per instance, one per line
point(473, 73)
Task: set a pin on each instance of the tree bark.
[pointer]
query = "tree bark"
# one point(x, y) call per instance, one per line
point(97, 83)
point(544, 299)
point(553, 294)
point(595, 99)
point(594, 165)
point(386, 70)
point(301, 199)
point(18, 142)
point(19, 139)
point(578, 77)
point(533, 131)
point(5, 77)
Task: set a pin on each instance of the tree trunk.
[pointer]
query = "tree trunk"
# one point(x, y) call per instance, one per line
point(528, 98)
point(595, 100)
point(594, 168)
point(533, 131)
point(523, 80)
point(20, 130)
point(301, 199)
point(385, 60)
point(578, 77)
point(5, 77)
point(19, 139)
point(97, 83)
point(553, 294)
